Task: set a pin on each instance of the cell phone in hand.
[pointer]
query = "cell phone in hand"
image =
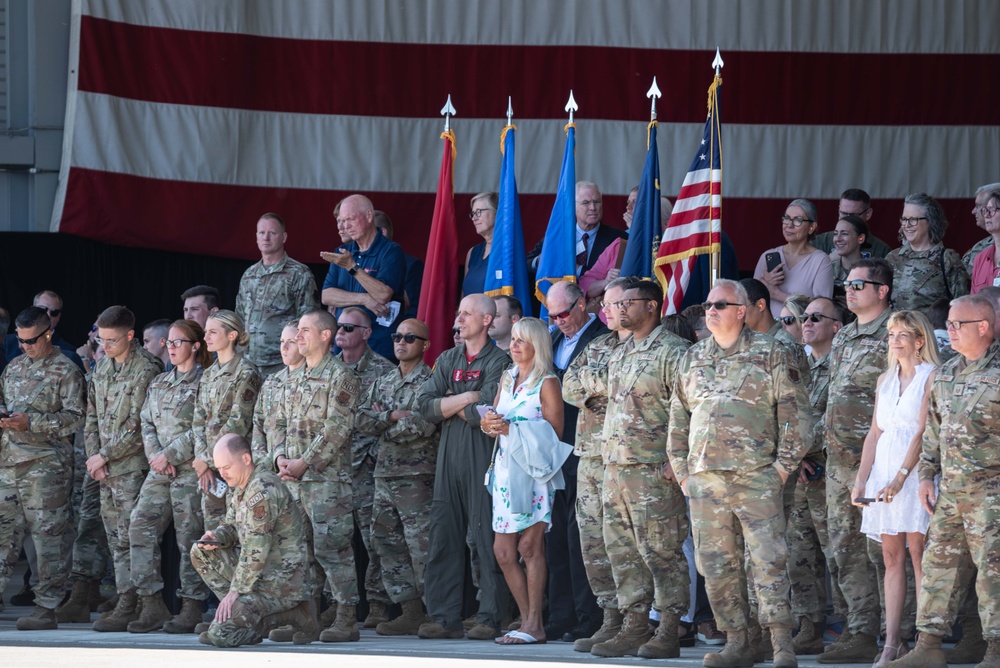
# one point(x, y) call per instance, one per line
point(816, 474)
point(483, 410)
point(4, 416)
point(209, 542)
point(773, 259)
point(218, 488)
point(865, 499)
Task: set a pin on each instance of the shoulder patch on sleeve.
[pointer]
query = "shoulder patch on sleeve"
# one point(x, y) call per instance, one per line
point(255, 499)
point(793, 374)
point(259, 512)
point(248, 395)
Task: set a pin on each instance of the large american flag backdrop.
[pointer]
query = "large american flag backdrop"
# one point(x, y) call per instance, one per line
point(187, 119)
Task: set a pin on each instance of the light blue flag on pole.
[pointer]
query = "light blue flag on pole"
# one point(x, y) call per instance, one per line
point(558, 259)
point(507, 271)
point(644, 236)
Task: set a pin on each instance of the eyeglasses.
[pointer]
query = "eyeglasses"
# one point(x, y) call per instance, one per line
point(816, 317)
point(957, 324)
point(347, 219)
point(176, 343)
point(797, 221)
point(851, 213)
point(476, 213)
point(32, 341)
point(587, 203)
point(911, 222)
point(351, 328)
point(789, 320)
point(719, 306)
point(54, 312)
point(987, 212)
point(627, 303)
point(858, 285)
point(109, 342)
point(565, 314)
point(409, 338)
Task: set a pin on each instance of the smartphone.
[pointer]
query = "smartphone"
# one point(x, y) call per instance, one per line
point(816, 474)
point(218, 488)
point(865, 499)
point(4, 416)
point(483, 410)
point(773, 259)
point(209, 542)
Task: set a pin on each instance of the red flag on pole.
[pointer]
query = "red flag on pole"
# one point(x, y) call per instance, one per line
point(439, 289)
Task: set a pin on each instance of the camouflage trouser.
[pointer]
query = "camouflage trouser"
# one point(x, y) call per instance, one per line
point(363, 486)
point(331, 530)
point(966, 601)
point(90, 549)
point(908, 621)
point(590, 518)
point(809, 554)
point(213, 510)
point(118, 498)
point(34, 498)
point(161, 499)
point(855, 571)
point(249, 619)
point(401, 525)
point(730, 509)
point(964, 522)
point(645, 524)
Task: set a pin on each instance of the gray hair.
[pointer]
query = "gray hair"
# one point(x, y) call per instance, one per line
point(992, 194)
point(806, 206)
point(587, 184)
point(937, 223)
point(988, 186)
point(735, 286)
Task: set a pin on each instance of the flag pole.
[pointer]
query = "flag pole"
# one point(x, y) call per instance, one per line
point(716, 262)
point(447, 111)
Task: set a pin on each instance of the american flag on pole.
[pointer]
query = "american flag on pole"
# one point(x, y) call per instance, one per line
point(695, 226)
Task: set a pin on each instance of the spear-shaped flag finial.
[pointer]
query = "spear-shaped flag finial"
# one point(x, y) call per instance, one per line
point(571, 105)
point(510, 112)
point(717, 63)
point(653, 93)
point(447, 111)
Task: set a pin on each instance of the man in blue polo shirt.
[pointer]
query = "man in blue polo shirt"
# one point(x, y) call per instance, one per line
point(368, 272)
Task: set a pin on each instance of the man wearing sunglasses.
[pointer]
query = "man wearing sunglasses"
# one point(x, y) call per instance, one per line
point(738, 428)
point(404, 476)
point(857, 359)
point(42, 405)
point(53, 305)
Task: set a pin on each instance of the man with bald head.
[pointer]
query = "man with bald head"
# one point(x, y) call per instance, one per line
point(368, 272)
point(959, 445)
point(464, 378)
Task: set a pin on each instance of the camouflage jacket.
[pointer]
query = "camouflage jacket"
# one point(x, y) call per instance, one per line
point(268, 298)
point(963, 424)
point(270, 529)
point(738, 409)
point(52, 392)
point(114, 403)
point(316, 420)
point(641, 375)
point(167, 416)
point(918, 280)
point(370, 367)
point(970, 255)
point(226, 398)
point(585, 385)
point(265, 416)
point(795, 348)
point(819, 385)
point(409, 446)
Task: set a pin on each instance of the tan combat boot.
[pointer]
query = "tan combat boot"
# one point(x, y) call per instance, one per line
point(664, 644)
point(784, 648)
point(153, 615)
point(189, 617)
point(970, 649)
point(408, 623)
point(609, 629)
point(109, 605)
point(760, 642)
point(927, 654)
point(42, 619)
point(328, 616)
point(77, 607)
point(859, 648)
point(377, 613)
point(345, 628)
point(992, 657)
point(126, 611)
point(808, 640)
point(303, 620)
point(736, 653)
point(633, 635)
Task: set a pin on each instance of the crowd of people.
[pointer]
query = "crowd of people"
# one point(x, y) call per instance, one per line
point(632, 482)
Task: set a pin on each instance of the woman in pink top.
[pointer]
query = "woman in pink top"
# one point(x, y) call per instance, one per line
point(803, 268)
point(986, 268)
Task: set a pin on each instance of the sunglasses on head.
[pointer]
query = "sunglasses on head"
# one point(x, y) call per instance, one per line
point(351, 328)
point(32, 341)
point(409, 338)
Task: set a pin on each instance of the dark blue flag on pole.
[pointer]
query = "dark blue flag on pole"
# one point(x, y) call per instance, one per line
point(644, 236)
point(558, 259)
point(507, 271)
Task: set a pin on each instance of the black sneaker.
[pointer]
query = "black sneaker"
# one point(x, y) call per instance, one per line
point(686, 635)
point(25, 597)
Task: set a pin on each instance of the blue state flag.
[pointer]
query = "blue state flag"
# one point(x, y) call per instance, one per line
point(644, 236)
point(558, 259)
point(507, 271)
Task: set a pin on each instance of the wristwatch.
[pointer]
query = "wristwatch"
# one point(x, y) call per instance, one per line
point(905, 471)
point(353, 270)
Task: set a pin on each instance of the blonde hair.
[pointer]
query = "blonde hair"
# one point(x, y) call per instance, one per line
point(796, 305)
point(535, 332)
point(915, 323)
point(232, 322)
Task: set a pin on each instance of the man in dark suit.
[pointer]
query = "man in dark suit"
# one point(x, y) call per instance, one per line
point(573, 609)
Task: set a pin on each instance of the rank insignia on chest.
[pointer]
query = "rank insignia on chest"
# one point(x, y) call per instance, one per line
point(259, 511)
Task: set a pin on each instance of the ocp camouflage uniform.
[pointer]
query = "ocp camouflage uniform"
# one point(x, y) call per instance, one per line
point(268, 298)
point(404, 480)
point(857, 359)
point(585, 385)
point(963, 428)
point(364, 453)
point(166, 428)
point(737, 418)
point(795, 349)
point(645, 516)
point(36, 466)
point(265, 415)
point(226, 398)
point(970, 256)
point(114, 430)
point(315, 424)
point(920, 278)
point(263, 557)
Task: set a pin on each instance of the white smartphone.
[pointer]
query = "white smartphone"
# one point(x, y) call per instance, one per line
point(483, 410)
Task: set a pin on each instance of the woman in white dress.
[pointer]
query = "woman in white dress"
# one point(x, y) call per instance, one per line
point(896, 517)
point(528, 391)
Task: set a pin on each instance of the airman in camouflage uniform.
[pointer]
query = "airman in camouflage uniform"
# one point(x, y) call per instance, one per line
point(260, 569)
point(272, 291)
point(404, 476)
point(959, 445)
point(113, 436)
point(272, 396)
point(738, 428)
point(42, 391)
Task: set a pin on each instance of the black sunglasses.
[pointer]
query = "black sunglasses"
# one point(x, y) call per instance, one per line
point(409, 338)
point(719, 306)
point(816, 317)
point(789, 320)
point(32, 341)
point(351, 328)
